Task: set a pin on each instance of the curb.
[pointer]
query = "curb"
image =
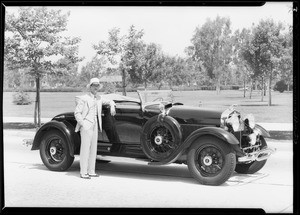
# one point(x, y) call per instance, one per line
point(23, 120)
point(267, 126)
point(277, 126)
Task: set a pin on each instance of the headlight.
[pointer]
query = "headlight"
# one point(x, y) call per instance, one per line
point(234, 121)
point(253, 136)
point(162, 108)
point(249, 120)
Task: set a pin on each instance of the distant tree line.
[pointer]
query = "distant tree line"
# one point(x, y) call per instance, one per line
point(35, 52)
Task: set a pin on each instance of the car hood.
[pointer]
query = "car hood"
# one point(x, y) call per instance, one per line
point(195, 115)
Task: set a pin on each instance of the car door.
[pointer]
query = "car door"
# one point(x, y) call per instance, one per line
point(125, 127)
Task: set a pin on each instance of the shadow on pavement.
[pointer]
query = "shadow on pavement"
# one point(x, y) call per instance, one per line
point(175, 173)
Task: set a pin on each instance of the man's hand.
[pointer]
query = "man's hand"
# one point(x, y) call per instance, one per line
point(112, 108)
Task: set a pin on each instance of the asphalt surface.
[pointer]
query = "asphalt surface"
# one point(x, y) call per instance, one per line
point(128, 183)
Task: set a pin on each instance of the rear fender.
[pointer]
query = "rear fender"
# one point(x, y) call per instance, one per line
point(66, 128)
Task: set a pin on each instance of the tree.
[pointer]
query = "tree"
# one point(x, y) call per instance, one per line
point(32, 40)
point(173, 69)
point(211, 46)
point(94, 68)
point(264, 51)
point(286, 61)
point(121, 51)
point(135, 51)
point(240, 41)
point(151, 64)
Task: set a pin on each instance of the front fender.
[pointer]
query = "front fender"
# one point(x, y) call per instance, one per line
point(220, 133)
point(66, 128)
point(213, 131)
point(263, 131)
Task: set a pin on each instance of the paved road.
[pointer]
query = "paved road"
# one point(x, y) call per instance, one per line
point(130, 183)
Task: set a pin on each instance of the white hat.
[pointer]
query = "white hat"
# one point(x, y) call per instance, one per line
point(94, 81)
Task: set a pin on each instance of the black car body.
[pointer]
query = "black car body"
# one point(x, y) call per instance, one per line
point(213, 144)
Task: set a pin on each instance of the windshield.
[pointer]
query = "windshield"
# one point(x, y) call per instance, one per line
point(149, 96)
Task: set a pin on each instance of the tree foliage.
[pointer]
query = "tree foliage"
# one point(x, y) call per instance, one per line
point(122, 51)
point(95, 68)
point(212, 46)
point(240, 44)
point(33, 40)
point(264, 51)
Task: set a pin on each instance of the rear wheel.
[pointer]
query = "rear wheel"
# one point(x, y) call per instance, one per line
point(211, 161)
point(55, 152)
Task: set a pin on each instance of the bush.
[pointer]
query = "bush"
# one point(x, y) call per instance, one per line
point(21, 98)
point(280, 86)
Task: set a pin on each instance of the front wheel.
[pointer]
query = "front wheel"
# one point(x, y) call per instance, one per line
point(211, 161)
point(55, 152)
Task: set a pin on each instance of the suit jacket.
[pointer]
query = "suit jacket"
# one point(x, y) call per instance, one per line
point(83, 106)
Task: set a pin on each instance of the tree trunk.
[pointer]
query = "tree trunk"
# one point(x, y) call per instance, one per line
point(251, 84)
point(262, 89)
point(244, 87)
point(123, 82)
point(270, 93)
point(218, 87)
point(37, 110)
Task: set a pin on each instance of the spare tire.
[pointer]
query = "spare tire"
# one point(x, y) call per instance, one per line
point(161, 136)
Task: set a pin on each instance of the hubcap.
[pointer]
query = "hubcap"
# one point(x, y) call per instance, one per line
point(207, 160)
point(53, 150)
point(158, 140)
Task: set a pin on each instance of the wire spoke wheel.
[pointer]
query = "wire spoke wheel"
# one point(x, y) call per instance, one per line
point(161, 140)
point(209, 161)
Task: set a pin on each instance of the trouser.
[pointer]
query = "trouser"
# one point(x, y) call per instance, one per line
point(88, 149)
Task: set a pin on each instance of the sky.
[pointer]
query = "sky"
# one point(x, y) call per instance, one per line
point(170, 27)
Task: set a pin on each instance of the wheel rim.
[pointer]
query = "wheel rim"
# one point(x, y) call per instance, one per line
point(55, 150)
point(209, 160)
point(161, 140)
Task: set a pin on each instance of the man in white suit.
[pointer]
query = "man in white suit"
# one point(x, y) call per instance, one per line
point(88, 115)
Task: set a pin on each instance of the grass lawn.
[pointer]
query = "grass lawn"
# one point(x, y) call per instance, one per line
point(280, 111)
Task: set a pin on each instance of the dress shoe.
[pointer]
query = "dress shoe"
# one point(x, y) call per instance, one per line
point(85, 176)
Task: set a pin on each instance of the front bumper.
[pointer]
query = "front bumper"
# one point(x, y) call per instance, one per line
point(257, 156)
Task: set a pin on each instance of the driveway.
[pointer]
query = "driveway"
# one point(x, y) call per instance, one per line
point(129, 183)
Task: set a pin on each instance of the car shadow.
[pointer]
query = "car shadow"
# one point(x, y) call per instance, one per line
point(178, 173)
point(172, 172)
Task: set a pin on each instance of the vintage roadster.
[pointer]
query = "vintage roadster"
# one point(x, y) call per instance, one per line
point(153, 128)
